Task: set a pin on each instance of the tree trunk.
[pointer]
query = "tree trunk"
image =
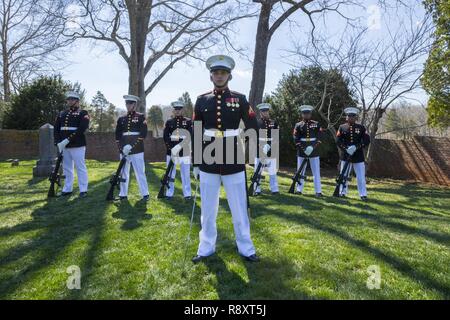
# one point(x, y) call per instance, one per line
point(6, 80)
point(139, 15)
point(100, 129)
point(260, 57)
point(136, 83)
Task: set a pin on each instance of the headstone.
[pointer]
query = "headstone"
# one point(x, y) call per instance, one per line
point(47, 152)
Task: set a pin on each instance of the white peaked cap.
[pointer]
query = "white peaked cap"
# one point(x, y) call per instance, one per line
point(130, 97)
point(220, 62)
point(351, 110)
point(305, 107)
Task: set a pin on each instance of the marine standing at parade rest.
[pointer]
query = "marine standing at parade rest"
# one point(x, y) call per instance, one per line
point(351, 139)
point(307, 134)
point(69, 129)
point(131, 130)
point(175, 131)
point(220, 112)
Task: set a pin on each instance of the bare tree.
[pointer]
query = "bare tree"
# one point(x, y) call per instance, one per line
point(152, 36)
point(379, 72)
point(30, 39)
point(272, 14)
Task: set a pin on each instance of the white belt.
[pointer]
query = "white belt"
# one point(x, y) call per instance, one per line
point(221, 134)
point(308, 139)
point(131, 133)
point(176, 138)
point(265, 139)
point(69, 128)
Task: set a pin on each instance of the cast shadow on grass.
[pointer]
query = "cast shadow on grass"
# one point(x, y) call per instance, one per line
point(267, 279)
point(412, 193)
point(36, 180)
point(21, 205)
point(396, 263)
point(230, 285)
point(132, 215)
point(409, 205)
point(179, 205)
point(62, 220)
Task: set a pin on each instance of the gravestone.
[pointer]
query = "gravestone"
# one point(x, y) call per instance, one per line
point(47, 152)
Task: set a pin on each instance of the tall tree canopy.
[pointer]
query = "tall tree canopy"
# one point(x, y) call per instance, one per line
point(307, 86)
point(38, 103)
point(436, 78)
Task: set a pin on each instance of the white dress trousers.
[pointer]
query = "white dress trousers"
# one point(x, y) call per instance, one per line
point(271, 168)
point(185, 171)
point(315, 168)
point(137, 160)
point(71, 157)
point(235, 189)
point(360, 172)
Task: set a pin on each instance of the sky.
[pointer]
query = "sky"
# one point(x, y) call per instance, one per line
point(100, 70)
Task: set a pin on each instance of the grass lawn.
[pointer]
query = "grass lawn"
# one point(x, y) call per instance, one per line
point(310, 248)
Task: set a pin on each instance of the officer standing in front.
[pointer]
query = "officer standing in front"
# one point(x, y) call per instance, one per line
point(175, 132)
point(219, 112)
point(307, 134)
point(131, 130)
point(265, 137)
point(351, 139)
point(69, 129)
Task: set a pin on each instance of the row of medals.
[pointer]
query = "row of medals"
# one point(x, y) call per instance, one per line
point(229, 104)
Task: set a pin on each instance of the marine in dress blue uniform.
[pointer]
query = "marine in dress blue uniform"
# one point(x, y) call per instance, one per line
point(307, 135)
point(176, 131)
point(70, 127)
point(131, 130)
point(267, 138)
point(351, 139)
point(220, 112)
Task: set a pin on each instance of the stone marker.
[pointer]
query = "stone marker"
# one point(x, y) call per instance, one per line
point(47, 152)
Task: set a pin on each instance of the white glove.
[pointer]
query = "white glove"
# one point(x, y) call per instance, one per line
point(175, 150)
point(351, 150)
point(196, 172)
point(309, 150)
point(126, 149)
point(266, 149)
point(62, 145)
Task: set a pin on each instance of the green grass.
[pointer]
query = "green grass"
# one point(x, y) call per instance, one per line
point(310, 248)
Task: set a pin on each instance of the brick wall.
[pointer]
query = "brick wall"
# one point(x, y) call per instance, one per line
point(102, 146)
point(424, 159)
point(24, 144)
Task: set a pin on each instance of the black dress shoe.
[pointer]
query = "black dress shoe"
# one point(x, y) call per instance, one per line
point(298, 192)
point(146, 198)
point(255, 194)
point(364, 198)
point(318, 195)
point(188, 198)
point(65, 194)
point(83, 194)
point(168, 198)
point(342, 196)
point(198, 258)
point(252, 258)
point(276, 192)
point(121, 198)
